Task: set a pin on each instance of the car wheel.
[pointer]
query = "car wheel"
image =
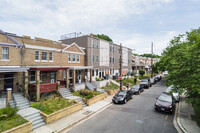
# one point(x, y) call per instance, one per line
point(150, 85)
point(125, 101)
point(131, 97)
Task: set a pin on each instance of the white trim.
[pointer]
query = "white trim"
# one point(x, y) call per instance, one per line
point(73, 52)
point(44, 61)
point(82, 52)
point(37, 60)
point(42, 48)
point(46, 57)
point(73, 58)
point(5, 60)
point(39, 56)
point(52, 57)
point(77, 58)
point(70, 58)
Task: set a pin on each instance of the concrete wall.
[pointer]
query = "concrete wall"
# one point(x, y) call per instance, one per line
point(100, 84)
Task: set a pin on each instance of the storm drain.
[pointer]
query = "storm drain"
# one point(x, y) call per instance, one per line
point(87, 112)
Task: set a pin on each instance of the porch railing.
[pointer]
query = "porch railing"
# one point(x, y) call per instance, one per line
point(48, 87)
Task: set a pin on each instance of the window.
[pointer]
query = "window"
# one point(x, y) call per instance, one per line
point(97, 59)
point(92, 72)
point(110, 48)
point(93, 58)
point(44, 56)
point(33, 76)
point(110, 71)
point(113, 49)
point(50, 56)
point(110, 59)
point(5, 53)
point(37, 55)
point(113, 60)
point(78, 58)
point(93, 43)
point(74, 58)
point(97, 45)
point(69, 58)
point(119, 50)
point(96, 72)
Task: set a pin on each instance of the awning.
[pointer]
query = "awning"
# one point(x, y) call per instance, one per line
point(4, 69)
point(49, 68)
point(80, 67)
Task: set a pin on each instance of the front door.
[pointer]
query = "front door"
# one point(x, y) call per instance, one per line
point(52, 80)
point(8, 81)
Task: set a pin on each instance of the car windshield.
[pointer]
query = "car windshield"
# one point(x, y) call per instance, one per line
point(165, 97)
point(135, 87)
point(121, 93)
point(144, 80)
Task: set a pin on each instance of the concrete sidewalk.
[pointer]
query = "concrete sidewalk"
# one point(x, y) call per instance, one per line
point(70, 120)
point(184, 121)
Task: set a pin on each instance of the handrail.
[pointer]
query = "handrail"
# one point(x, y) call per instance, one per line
point(13, 98)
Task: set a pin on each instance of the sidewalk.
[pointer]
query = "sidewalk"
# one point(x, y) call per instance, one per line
point(184, 121)
point(70, 120)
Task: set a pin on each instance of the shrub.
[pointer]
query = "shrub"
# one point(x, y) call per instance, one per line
point(141, 72)
point(72, 101)
point(102, 79)
point(97, 79)
point(86, 93)
point(6, 113)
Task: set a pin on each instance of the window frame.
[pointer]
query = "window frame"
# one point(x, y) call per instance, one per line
point(2, 53)
point(78, 58)
point(38, 56)
point(42, 56)
point(51, 57)
point(97, 58)
point(69, 57)
point(74, 58)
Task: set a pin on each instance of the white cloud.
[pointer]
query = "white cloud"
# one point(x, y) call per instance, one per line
point(142, 43)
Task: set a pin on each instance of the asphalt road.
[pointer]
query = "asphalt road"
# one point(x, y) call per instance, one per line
point(137, 116)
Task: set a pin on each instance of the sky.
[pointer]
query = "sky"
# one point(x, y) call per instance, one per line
point(134, 23)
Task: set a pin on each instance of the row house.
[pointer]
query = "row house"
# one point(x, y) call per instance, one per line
point(142, 63)
point(40, 63)
point(104, 56)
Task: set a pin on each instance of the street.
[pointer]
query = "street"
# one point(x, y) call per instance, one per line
point(137, 116)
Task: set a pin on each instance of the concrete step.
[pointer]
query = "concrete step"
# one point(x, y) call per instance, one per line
point(38, 125)
point(35, 119)
point(33, 115)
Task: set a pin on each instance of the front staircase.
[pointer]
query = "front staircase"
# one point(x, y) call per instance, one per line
point(26, 111)
point(66, 93)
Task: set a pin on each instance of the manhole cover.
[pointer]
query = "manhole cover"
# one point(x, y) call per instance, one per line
point(87, 112)
point(139, 121)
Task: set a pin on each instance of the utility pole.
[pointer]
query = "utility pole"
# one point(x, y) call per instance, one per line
point(151, 60)
point(120, 66)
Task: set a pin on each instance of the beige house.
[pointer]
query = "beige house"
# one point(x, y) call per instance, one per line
point(38, 64)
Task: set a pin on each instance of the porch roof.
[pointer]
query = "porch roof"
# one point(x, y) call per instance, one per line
point(80, 67)
point(4, 69)
point(49, 68)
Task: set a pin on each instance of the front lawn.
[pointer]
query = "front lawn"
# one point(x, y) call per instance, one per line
point(111, 86)
point(53, 104)
point(124, 81)
point(9, 119)
point(86, 94)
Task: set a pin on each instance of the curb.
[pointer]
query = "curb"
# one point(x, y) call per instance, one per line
point(176, 118)
point(81, 120)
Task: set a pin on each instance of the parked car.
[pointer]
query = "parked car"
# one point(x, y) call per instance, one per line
point(174, 92)
point(165, 102)
point(145, 83)
point(152, 81)
point(137, 89)
point(122, 96)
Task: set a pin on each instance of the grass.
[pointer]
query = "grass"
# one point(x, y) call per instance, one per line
point(197, 113)
point(112, 86)
point(10, 122)
point(52, 104)
point(90, 93)
point(124, 81)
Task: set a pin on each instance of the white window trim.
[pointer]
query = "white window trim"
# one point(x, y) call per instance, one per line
point(31, 82)
point(77, 58)
point(52, 57)
point(70, 58)
point(47, 57)
point(73, 58)
point(39, 56)
point(5, 60)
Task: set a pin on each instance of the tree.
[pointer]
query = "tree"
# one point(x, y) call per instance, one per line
point(141, 72)
point(104, 37)
point(182, 61)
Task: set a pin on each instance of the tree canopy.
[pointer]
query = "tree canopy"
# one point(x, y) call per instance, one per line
point(104, 37)
point(149, 55)
point(182, 61)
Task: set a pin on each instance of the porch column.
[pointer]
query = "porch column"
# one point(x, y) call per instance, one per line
point(9, 90)
point(38, 85)
point(26, 84)
point(90, 75)
point(67, 78)
point(85, 78)
point(74, 79)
